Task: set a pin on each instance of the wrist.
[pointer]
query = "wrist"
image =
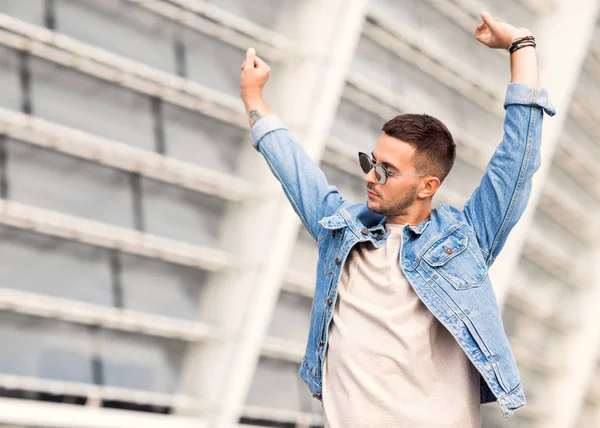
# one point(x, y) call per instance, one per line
point(517, 34)
point(251, 97)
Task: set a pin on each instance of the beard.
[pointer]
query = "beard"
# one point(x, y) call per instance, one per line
point(398, 205)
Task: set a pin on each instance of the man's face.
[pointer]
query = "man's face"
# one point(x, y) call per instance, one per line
point(399, 192)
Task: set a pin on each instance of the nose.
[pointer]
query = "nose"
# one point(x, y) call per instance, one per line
point(370, 177)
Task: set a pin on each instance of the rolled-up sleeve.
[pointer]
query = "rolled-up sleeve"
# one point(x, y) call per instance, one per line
point(527, 95)
point(264, 126)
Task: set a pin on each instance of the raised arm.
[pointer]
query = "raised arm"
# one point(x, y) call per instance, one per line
point(302, 180)
point(497, 204)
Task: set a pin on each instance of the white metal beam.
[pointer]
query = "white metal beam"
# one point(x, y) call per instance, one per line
point(434, 60)
point(52, 223)
point(560, 62)
point(97, 62)
point(125, 157)
point(211, 20)
point(95, 394)
point(54, 415)
point(89, 314)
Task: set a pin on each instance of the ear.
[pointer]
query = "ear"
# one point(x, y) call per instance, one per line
point(429, 185)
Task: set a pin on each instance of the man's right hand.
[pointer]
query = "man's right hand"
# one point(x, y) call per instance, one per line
point(255, 73)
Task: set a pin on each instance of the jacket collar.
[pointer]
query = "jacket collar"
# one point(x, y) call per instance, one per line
point(358, 216)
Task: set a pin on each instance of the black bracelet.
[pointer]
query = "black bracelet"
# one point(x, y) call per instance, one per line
point(525, 41)
point(522, 39)
point(524, 45)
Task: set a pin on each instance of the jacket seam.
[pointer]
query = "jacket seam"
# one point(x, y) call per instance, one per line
point(293, 202)
point(518, 185)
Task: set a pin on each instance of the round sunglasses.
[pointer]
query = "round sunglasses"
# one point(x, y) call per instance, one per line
point(381, 173)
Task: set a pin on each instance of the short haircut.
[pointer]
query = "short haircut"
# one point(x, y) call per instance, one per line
point(434, 146)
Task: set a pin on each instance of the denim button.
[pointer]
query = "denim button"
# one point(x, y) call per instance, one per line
point(318, 395)
point(321, 343)
point(365, 231)
point(448, 250)
point(329, 302)
point(333, 233)
point(337, 261)
point(435, 276)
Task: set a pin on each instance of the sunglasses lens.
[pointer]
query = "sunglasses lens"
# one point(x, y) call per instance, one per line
point(365, 163)
point(380, 174)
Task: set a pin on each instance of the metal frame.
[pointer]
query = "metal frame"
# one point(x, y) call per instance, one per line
point(116, 69)
point(95, 394)
point(103, 235)
point(123, 156)
point(234, 30)
point(37, 305)
point(427, 56)
point(45, 415)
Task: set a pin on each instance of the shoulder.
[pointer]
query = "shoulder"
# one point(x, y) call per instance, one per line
point(448, 212)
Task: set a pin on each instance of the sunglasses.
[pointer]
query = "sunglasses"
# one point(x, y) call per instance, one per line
point(381, 173)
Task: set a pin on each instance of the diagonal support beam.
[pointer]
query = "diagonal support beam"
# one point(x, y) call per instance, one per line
point(305, 94)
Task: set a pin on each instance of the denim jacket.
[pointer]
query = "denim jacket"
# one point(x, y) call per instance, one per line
point(446, 258)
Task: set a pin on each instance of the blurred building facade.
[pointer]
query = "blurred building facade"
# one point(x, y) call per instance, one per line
point(153, 274)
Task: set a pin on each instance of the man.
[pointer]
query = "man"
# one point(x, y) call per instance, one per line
point(405, 328)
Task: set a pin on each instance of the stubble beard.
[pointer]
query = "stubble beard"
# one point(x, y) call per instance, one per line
point(399, 206)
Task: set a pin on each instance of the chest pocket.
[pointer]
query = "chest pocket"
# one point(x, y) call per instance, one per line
point(455, 261)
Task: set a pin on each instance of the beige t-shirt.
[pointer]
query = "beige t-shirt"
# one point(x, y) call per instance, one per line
point(390, 362)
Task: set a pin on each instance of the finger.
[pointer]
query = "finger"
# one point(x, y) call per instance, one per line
point(243, 65)
point(489, 21)
point(480, 29)
point(250, 58)
point(259, 63)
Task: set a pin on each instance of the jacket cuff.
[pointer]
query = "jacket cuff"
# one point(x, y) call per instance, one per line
point(523, 94)
point(264, 126)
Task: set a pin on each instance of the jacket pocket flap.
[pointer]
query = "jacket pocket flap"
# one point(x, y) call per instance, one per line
point(445, 249)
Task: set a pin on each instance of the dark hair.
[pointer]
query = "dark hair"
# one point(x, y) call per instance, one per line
point(434, 146)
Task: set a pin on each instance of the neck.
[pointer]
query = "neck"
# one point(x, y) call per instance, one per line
point(414, 215)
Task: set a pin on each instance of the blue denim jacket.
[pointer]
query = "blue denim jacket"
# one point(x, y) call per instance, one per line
point(445, 258)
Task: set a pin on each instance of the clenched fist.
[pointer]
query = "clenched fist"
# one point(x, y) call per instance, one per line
point(255, 73)
point(497, 34)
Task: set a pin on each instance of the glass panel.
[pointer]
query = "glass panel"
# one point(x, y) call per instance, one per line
point(60, 268)
point(115, 112)
point(57, 182)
